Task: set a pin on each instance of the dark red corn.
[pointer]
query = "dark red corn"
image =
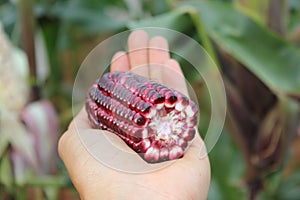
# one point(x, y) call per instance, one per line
point(155, 121)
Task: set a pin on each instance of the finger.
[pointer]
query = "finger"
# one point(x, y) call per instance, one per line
point(173, 76)
point(120, 62)
point(138, 53)
point(158, 53)
point(158, 50)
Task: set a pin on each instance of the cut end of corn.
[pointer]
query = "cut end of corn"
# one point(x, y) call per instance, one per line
point(155, 121)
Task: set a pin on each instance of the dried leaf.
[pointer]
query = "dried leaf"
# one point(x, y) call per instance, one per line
point(14, 90)
point(18, 136)
point(41, 120)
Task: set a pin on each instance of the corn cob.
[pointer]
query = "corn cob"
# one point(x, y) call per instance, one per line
point(155, 121)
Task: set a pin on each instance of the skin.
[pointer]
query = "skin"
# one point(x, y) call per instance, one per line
point(187, 178)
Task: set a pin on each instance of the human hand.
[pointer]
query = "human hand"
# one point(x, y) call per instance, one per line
point(187, 178)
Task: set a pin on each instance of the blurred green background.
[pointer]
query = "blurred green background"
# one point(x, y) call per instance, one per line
point(255, 43)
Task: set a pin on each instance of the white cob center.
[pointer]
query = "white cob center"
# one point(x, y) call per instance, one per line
point(164, 130)
point(166, 127)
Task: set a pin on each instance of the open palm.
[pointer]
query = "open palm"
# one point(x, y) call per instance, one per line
point(187, 178)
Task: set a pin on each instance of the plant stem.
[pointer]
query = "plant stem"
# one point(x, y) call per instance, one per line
point(26, 18)
point(277, 16)
point(195, 16)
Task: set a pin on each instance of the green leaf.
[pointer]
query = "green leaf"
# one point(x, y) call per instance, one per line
point(8, 17)
point(184, 20)
point(89, 20)
point(227, 171)
point(175, 20)
point(256, 9)
point(294, 20)
point(289, 188)
point(3, 142)
point(265, 54)
point(180, 20)
point(6, 176)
